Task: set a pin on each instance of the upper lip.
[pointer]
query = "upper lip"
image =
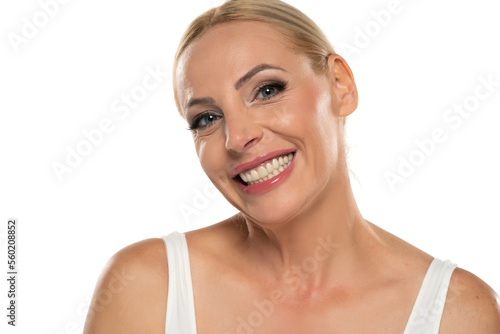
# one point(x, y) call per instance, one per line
point(258, 160)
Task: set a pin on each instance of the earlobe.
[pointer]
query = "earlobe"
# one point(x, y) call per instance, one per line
point(343, 85)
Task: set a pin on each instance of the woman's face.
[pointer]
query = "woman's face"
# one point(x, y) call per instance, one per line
point(265, 125)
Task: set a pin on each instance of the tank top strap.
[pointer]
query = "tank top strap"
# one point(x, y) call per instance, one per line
point(180, 317)
point(425, 317)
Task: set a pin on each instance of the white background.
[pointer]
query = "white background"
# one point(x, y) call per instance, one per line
point(66, 77)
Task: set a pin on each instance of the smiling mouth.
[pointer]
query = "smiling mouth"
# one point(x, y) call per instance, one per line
point(267, 170)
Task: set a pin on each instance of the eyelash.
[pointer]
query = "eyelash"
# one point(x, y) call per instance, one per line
point(280, 86)
point(195, 123)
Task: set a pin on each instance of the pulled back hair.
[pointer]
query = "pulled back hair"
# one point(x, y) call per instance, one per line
point(304, 35)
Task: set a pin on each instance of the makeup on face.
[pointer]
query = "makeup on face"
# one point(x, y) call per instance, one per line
point(265, 172)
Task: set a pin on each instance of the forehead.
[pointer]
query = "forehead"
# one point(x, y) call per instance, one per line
point(225, 52)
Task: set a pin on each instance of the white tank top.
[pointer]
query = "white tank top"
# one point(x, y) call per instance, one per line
point(425, 317)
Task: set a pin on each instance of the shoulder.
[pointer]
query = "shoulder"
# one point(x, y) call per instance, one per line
point(230, 232)
point(471, 306)
point(131, 293)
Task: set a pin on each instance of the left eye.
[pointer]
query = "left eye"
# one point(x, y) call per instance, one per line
point(267, 92)
point(270, 90)
point(204, 121)
point(207, 119)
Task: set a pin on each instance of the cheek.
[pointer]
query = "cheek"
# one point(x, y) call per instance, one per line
point(212, 158)
point(327, 123)
point(284, 118)
point(317, 124)
point(311, 114)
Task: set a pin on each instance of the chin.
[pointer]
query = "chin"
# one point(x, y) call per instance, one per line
point(275, 211)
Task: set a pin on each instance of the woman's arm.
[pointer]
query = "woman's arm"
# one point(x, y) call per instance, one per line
point(131, 293)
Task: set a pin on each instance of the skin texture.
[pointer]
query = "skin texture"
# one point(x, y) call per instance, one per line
point(272, 255)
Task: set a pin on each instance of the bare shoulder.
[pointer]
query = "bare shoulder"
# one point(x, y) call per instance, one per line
point(471, 306)
point(131, 293)
point(216, 237)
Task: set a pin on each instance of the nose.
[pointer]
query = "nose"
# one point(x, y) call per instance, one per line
point(241, 132)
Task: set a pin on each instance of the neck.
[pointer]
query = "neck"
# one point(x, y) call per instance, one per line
point(325, 243)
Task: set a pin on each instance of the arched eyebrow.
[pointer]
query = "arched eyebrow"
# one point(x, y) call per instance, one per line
point(202, 100)
point(253, 72)
point(237, 85)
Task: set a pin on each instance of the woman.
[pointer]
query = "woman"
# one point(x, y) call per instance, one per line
point(265, 97)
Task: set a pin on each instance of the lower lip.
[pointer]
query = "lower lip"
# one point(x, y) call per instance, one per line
point(265, 186)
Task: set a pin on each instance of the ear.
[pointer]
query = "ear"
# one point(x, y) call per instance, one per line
point(343, 85)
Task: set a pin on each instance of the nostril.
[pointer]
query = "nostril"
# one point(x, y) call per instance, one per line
point(241, 133)
point(250, 142)
point(240, 143)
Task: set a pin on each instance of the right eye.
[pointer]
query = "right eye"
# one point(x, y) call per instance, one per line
point(204, 121)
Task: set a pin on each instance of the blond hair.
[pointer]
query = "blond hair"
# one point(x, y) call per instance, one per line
point(305, 36)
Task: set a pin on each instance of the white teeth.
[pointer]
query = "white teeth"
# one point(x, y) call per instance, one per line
point(267, 171)
point(244, 177)
point(262, 172)
point(269, 168)
point(276, 163)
